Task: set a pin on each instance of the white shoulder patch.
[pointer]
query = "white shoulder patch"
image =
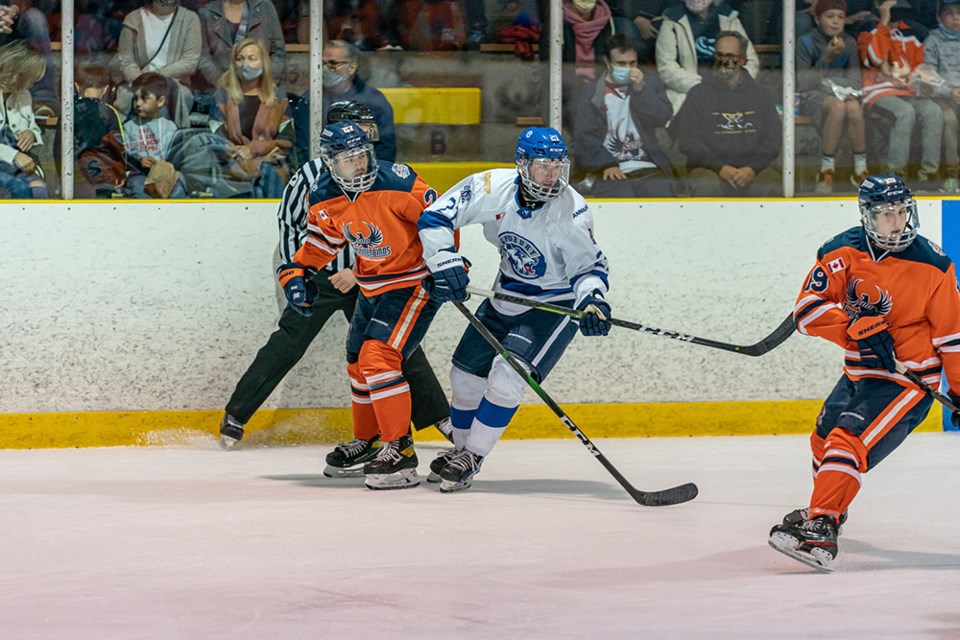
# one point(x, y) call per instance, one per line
point(401, 170)
point(936, 248)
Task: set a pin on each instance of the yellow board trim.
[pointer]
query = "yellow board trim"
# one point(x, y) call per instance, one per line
point(324, 426)
point(443, 175)
point(434, 105)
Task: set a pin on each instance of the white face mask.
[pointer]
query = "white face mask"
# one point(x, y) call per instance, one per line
point(696, 6)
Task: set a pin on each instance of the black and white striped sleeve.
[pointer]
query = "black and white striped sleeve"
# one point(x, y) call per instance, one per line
point(292, 215)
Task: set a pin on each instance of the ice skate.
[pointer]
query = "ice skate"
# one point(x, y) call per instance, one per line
point(813, 542)
point(799, 516)
point(347, 458)
point(395, 466)
point(457, 474)
point(440, 462)
point(445, 427)
point(231, 431)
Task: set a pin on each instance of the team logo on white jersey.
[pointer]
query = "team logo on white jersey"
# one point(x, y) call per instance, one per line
point(525, 259)
point(860, 303)
point(367, 246)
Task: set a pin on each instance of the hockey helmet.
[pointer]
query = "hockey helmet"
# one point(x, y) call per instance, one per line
point(359, 113)
point(883, 197)
point(542, 162)
point(348, 155)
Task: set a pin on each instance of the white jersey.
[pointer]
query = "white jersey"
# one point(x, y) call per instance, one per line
point(547, 253)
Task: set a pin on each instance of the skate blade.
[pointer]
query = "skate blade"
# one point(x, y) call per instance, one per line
point(433, 478)
point(406, 479)
point(448, 486)
point(226, 442)
point(817, 558)
point(343, 472)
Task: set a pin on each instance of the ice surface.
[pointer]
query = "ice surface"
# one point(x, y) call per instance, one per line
point(194, 542)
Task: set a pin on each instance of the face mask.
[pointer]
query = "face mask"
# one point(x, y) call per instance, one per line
point(696, 6)
point(620, 75)
point(332, 79)
point(246, 72)
point(165, 3)
point(584, 6)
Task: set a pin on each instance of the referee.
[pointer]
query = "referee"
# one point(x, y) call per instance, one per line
point(337, 291)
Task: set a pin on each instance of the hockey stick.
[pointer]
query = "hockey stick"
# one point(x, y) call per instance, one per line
point(775, 339)
point(676, 495)
point(926, 388)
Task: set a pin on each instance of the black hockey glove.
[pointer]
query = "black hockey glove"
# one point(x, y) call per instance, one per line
point(595, 313)
point(299, 291)
point(874, 342)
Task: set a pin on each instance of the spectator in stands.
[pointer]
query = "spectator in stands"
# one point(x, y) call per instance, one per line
point(224, 23)
point(647, 16)
point(828, 81)
point(148, 137)
point(20, 174)
point(617, 152)
point(22, 21)
point(729, 128)
point(162, 37)
point(890, 52)
point(98, 141)
point(687, 42)
point(941, 50)
point(251, 114)
point(356, 22)
point(341, 60)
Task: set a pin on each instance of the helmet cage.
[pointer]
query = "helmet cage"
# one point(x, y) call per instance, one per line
point(357, 183)
point(898, 240)
point(526, 167)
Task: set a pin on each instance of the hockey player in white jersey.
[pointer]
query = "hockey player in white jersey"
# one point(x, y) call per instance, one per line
point(544, 232)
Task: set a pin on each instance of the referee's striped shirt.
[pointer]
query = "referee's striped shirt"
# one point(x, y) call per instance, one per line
point(292, 217)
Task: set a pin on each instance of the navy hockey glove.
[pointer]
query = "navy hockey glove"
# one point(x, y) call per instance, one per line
point(595, 313)
point(448, 276)
point(874, 342)
point(300, 291)
point(955, 416)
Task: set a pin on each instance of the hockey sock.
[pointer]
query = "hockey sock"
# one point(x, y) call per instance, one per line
point(461, 419)
point(859, 163)
point(488, 425)
point(826, 163)
point(467, 393)
point(817, 445)
point(364, 418)
point(389, 391)
point(838, 480)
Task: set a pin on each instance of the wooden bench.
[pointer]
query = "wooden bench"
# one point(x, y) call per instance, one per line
point(499, 47)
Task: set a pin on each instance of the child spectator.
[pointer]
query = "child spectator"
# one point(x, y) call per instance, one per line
point(941, 51)
point(98, 140)
point(148, 139)
point(20, 174)
point(890, 52)
point(828, 81)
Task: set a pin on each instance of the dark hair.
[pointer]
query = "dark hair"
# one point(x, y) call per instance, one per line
point(742, 39)
point(152, 83)
point(620, 42)
point(90, 75)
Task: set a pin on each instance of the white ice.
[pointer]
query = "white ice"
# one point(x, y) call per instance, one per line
point(193, 542)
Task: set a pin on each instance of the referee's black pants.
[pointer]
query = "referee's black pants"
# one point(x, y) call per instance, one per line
point(290, 341)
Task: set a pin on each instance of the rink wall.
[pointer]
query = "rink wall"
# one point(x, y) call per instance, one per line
point(130, 322)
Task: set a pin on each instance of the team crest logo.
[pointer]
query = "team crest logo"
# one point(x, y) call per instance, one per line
point(525, 259)
point(401, 170)
point(367, 245)
point(859, 302)
point(936, 248)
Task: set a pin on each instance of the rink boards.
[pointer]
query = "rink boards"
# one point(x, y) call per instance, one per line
point(130, 323)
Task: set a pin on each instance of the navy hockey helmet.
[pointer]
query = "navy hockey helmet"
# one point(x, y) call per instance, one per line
point(542, 162)
point(883, 200)
point(359, 113)
point(348, 155)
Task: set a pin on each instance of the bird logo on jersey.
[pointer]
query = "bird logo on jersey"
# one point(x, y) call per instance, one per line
point(367, 245)
point(859, 303)
point(525, 259)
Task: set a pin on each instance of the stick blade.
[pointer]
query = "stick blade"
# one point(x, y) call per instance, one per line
point(676, 495)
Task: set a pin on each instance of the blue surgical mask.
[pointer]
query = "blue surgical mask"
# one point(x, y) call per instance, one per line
point(620, 75)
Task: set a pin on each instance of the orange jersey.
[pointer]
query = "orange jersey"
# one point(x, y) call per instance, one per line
point(899, 45)
point(915, 290)
point(380, 224)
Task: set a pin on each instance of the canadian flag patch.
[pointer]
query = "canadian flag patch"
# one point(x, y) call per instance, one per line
point(836, 265)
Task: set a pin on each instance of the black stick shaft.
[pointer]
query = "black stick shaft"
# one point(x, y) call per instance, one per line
point(936, 395)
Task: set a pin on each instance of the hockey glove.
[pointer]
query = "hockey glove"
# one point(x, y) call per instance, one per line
point(300, 291)
point(874, 342)
point(448, 276)
point(955, 416)
point(595, 313)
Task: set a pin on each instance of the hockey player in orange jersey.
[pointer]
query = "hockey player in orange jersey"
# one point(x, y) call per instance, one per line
point(889, 298)
point(375, 207)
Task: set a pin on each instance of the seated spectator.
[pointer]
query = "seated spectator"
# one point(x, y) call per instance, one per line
point(729, 128)
point(941, 50)
point(890, 52)
point(20, 174)
point(341, 60)
point(687, 41)
point(828, 82)
point(251, 115)
point(162, 37)
point(647, 16)
point(148, 137)
point(22, 21)
point(226, 22)
point(97, 30)
point(616, 149)
point(357, 22)
point(98, 141)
